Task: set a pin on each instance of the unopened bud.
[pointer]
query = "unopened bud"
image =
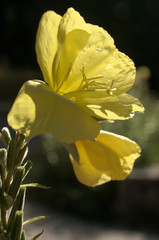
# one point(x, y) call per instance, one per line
point(3, 156)
point(14, 188)
point(6, 135)
point(17, 226)
point(18, 205)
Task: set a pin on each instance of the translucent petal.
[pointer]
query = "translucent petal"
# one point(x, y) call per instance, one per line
point(102, 105)
point(91, 61)
point(71, 20)
point(47, 43)
point(127, 151)
point(85, 172)
point(38, 110)
point(104, 67)
point(111, 157)
point(73, 44)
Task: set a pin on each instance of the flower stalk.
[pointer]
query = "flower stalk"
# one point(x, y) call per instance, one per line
point(13, 170)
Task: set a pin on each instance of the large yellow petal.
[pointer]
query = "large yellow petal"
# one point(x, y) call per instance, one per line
point(38, 110)
point(103, 105)
point(111, 157)
point(71, 20)
point(47, 43)
point(91, 61)
point(73, 44)
point(126, 150)
point(104, 67)
point(85, 172)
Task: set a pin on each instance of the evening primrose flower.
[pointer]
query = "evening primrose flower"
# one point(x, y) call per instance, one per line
point(86, 79)
point(109, 157)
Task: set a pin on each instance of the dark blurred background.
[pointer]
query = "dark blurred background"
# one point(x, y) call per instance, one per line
point(134, 24)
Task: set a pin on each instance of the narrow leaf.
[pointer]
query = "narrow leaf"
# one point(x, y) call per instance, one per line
point(27, 167)
point(38, 235)
point(31, 220)
point(37, 185)
point(11, 155)
point(23, 236)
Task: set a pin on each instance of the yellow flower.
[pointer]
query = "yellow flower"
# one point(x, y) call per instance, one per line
point(86, 78)
point(110, 157)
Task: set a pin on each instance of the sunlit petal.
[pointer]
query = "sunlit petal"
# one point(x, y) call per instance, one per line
point(102, 105)
point(104, 67)
point(111, 157)
point(38, 110)
point(47, 43)
point(71, 20)
point(73, 44)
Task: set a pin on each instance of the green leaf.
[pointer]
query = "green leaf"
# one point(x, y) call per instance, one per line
point(11, 155)
point(31, 220)
point(23, 236)
point(37, 185)
point(27, 167)
point(38, 235)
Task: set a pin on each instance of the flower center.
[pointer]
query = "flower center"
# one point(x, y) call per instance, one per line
point(92, 84)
